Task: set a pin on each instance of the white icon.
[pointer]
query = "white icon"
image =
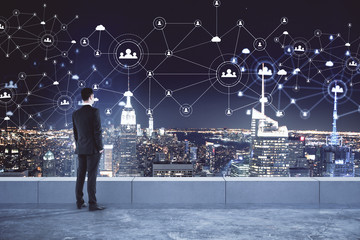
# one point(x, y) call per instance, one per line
point(186, 110)
point(108, 111)
point(234, 60)
point(286, 33)
point(329, 64)
point(11, 85)
point(2, 27)
point(347, 53)
point(216, 39)
point(284, 20)
point(292, 101)
point(296, 71)
point(240, 94)
point(84, 41)
point(347, 44)
point(5, 95)
point(150, 74)
point(159, 23)
point(55, 83)
point(6, 118)
point(168, 93)
point(279, 114)
point(64, 103)
point(168, 53)
point(280, 86)
point(281, 72)
point(96, 87)
point(97, 53)
point(47, 40)
point(197, 23)
point(9, 113)
point(100, 28)
point(352, 64)
point(42, 22)
point(73, 41)
point(337, 89)
point(248, 112)
point(264, 100)
point(128, 55)
point(317, 51)
point(216, 4)
point(266, 71)
point(305, 114)
point(245, 51)
point(299, 49)
point(149, 111)
point(228, 74)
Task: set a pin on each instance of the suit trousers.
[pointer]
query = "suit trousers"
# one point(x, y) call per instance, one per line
point(89, 163)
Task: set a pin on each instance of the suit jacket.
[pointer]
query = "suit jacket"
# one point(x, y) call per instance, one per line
point(87, 130)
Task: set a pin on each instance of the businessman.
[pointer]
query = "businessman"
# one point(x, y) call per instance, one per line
point(89, 146)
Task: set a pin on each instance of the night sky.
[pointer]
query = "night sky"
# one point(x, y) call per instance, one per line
point(191, 72)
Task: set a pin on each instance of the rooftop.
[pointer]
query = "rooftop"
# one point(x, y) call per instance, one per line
point(183, 208)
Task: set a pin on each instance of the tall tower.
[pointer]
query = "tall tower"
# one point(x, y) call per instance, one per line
point(151, 126)
point(269, 145)
point(127, 165)
point(334, 136)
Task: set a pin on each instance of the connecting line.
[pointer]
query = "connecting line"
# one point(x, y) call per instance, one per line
point(273, 31)
point(149, 92)
point(191, 85)
point(159, 102)
point(228, 97)
point(161, 63)
point(49, 116)
point(112, 91)
point(348, 113)
point(140, 84)
point(245, 106)
point(216, 24)
point(117, 102)
point(99, 40)
point(276, 85)
point(182, 74)
point(184, 38)
point(249, 33)
point(163, 33)
point(313, 106)
point(197, 45)
point(109, 75)
point(310, 96)
point(222, 56)
point(194, 63)
point(146, 35)
point(237, 40)
point(201, 95)
point(229, 31)
point(139, 102)
point(109, 35)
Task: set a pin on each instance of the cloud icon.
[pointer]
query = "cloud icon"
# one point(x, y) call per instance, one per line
point(282, 72)
point(329, 64)
point(96, 99)
point(75, 77)
point(296, 71)
point(100, 28)
point(245, 51)
point(216, 39)
point(286, 33)
point(9, 113)
point(122, 104)
point(265, 72)
point(73, 41)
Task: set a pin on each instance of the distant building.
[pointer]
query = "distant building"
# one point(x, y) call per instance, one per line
point(127, 165)
point(298, 164)
point(269, 147)
point(49, 168)
point(173, 170)
point(193, 154)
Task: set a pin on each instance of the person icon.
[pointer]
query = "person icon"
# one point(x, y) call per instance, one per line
point(84, 41)
point(121, 55)
point(134, 55)
point(128, 53)
point(197, 23)
point(223, 74)
point(259, 44)
point(228, 74)
point(97, 53)
point(95, 87)
point(186, 110)
point(2, 27)
point(216, 3)
point(159, 23)
point(108, 112)
point(168, 53)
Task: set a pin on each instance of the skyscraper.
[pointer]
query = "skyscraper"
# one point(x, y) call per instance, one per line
point(151, 126)
point(269, 147)
point(127, 165)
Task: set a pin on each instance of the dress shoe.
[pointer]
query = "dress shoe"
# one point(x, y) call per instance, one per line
point(96, 207)
point(81, 205)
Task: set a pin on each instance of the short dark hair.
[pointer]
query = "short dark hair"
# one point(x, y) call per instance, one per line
point(86, 93)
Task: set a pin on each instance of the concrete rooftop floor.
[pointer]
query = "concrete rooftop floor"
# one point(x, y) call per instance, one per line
point(178, 222)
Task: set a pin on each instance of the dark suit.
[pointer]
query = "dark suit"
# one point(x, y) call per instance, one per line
point(88, 140)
